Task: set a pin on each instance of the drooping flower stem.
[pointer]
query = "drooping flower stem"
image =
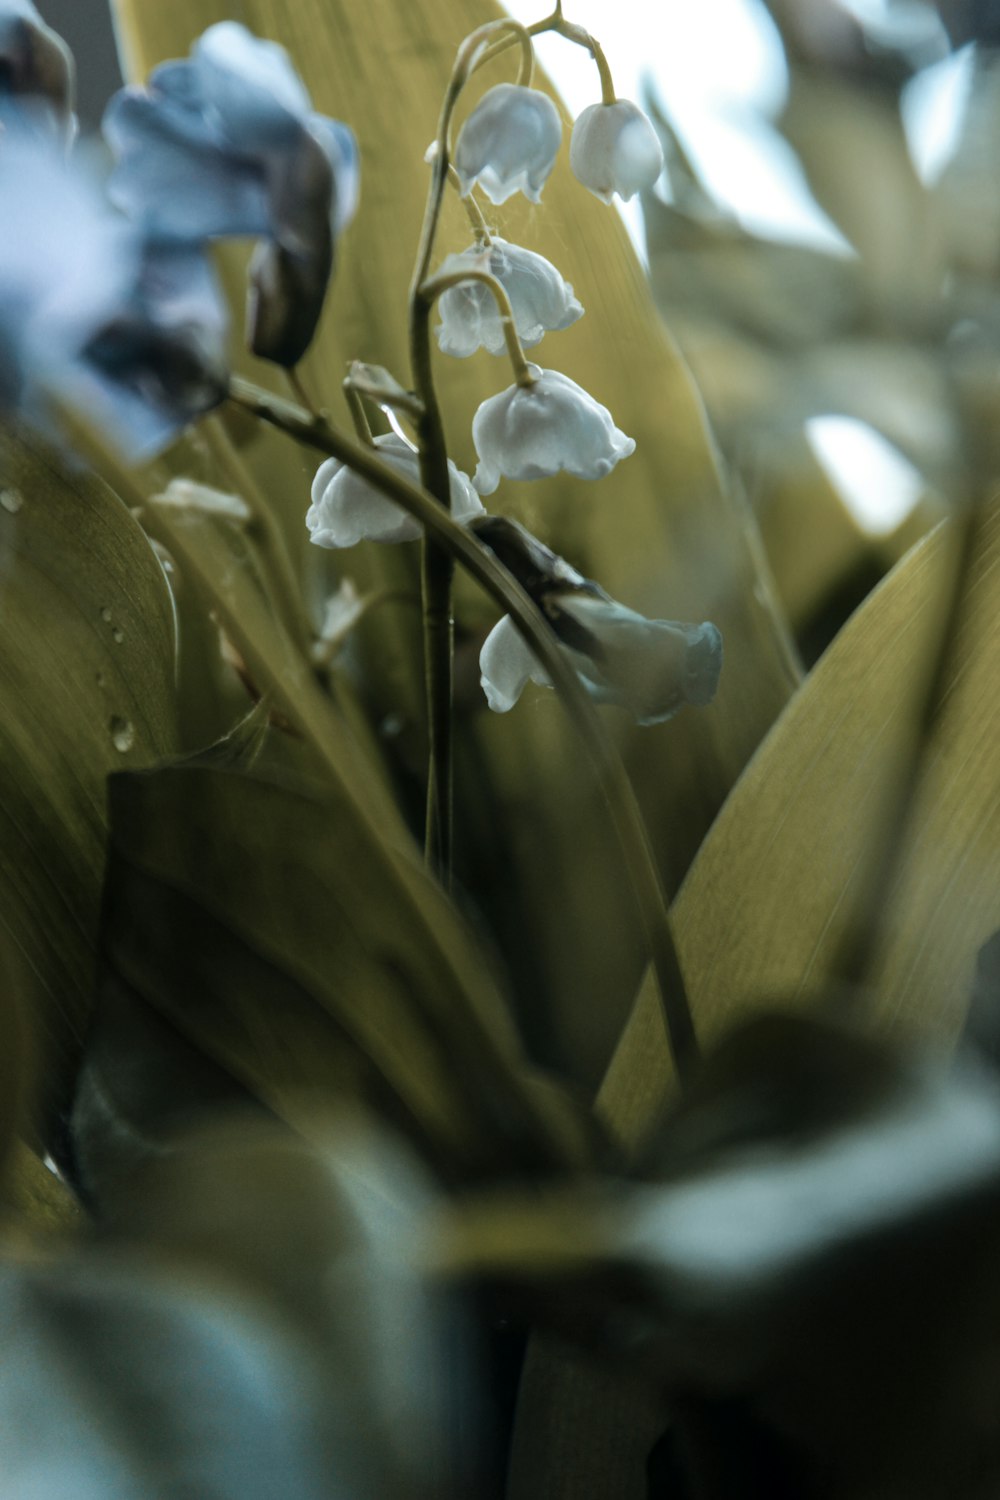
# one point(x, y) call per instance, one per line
point(572, 33)
point(440, 284)
point(436, 564)
point(477, 559)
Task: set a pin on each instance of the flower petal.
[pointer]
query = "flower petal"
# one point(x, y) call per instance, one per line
point(541, 301)
point(615, 149)
point(509, 143)
point(531, 432)
point(507, 665)
point(347, 509)
point(226, 144)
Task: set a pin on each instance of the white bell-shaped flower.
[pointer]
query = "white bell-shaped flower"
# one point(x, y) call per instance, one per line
point(509, 143)
point(530, 432)
point(649, 667)
point(614, 149)
point(541, 301)
point(347, 509)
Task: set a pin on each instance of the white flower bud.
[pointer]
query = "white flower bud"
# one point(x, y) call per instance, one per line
point(347, 509)
point(530, 432)
point(509, 143)
point(614, 149)
point(541, 301)
point(649, 667)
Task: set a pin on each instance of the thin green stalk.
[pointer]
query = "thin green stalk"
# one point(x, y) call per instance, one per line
point(267, 533)
point(437, 567)
point(440, 284)
point(356, 406)
point(481, 564)
point(578, 35)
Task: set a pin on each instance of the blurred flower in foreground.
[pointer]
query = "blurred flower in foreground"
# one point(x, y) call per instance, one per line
point(36, 73)
point(226, 145)
point(509, 143)
point(541, 301)
point(649, 667)
point(347, 509)
point(530, 432)
point(127, 335)
point(614, 149)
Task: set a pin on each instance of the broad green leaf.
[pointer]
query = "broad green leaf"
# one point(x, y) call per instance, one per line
point(86, 684)
point(301, 953)
point(663, 533)
point(765, 903)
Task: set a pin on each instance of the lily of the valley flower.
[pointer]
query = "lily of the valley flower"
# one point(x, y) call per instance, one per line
point(541, 301)
point(36, 74)
point(509, 143)
point(649, 667)
point(533, 431)
point(128, 337)
point(347, 509)
point(614, 149)
point(226, 144)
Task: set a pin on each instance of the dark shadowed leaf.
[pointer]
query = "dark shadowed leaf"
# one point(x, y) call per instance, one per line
point(299, 952)
point(86, 682)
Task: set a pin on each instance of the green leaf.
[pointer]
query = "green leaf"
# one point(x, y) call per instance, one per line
point(300, 953)
point(764, 908)
point(86, 685)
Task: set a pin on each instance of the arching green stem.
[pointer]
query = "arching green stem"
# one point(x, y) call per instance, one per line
point(572, 33)
point(481, 564)
point(439, 284)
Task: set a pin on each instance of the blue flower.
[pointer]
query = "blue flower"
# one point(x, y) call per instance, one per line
point(36, 74)
point(126, 332)
point(226, 144)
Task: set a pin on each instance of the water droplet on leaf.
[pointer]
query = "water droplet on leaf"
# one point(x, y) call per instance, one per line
point(106, 615)
point(117, 635)
point(11, 500)
point(122, 733)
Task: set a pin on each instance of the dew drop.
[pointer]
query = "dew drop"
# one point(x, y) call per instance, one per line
point(11, 500)
point(106, 615)
point(118, 635)
point(122, 733)
point(100, 679)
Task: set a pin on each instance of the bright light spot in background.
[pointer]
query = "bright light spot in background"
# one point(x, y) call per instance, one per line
point(877, 484)
point(933, 106)
point(718, 68)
